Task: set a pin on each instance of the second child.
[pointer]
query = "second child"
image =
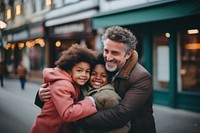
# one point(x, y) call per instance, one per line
point(104, 93)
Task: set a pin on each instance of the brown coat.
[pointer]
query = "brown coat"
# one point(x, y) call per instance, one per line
point(134, 85)
point(106, 98)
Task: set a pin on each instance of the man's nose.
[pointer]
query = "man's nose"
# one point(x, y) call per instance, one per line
point(109, 57)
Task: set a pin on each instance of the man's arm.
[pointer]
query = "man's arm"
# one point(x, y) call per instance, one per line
point(43, 95)
point(132, 102)
point(38, 101)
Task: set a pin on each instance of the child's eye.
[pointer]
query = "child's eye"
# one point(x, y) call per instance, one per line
point(88, 71)
point(93, 74)
point(79, 70)
point(104, 76)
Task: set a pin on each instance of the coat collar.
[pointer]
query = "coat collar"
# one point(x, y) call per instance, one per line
point(129, 65)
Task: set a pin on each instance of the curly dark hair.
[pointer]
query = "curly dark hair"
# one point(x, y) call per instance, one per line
point(122, 35)
point(99, 59)
point(74, 55)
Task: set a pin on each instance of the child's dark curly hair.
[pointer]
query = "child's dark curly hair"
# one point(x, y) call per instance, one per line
point(74, 55)
point(99, 59)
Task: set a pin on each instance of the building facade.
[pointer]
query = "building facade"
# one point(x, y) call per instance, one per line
point(169, 46)
point(167, 30)
point(25, 34)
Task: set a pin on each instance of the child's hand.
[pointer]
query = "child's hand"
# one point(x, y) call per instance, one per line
point(44, 93)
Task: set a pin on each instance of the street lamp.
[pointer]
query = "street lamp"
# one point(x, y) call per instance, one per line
point(3, 25)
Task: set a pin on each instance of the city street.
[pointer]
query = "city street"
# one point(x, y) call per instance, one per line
point(17, 112)
point(17, 109)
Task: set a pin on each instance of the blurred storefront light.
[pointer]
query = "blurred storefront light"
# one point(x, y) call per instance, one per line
point(18, 10)
point(3, 25)
point(193, 31)
point(58, 44)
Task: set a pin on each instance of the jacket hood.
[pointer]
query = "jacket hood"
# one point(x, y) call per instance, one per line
point(54, 74)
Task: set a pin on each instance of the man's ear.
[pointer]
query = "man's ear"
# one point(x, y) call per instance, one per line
point(128, 54)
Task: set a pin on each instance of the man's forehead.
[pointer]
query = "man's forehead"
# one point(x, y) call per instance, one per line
point(114, 49)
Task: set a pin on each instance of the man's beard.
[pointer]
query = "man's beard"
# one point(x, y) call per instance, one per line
point(111, 69)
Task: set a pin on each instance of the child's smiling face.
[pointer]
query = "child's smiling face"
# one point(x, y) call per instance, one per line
point(80, 73)
point(99, 76)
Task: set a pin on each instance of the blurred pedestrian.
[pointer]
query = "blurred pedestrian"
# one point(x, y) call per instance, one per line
point(2, 72)
point(22, 72)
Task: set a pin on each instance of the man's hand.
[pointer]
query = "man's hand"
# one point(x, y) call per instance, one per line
point(44, 93)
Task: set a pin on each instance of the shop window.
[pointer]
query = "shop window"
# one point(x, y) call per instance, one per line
point(189, 61)
point(161, 61)
point(34, 6)
point(139, 49)
point(43, 4)
point(36, 57)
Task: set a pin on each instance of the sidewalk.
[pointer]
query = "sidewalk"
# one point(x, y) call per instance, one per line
point(170, 120)
point(167, 120)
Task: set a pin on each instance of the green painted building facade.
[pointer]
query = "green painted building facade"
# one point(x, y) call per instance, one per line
point(169, 47)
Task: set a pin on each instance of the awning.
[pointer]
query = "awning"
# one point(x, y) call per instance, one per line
point(17, 34)
point(36, 30)
point(15, 30)
point(148, 13)
point(71, 18)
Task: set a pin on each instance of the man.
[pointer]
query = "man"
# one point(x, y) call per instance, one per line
point(131, 81)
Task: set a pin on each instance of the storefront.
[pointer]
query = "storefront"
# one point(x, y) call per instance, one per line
point(169, 47)
point(27, 44)
point(36, 49)
point(61, 37)
point(15, 42)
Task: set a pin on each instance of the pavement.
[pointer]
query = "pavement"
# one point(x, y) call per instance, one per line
point(168, 120)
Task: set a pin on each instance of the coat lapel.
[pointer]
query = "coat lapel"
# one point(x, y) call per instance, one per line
point(131, 62)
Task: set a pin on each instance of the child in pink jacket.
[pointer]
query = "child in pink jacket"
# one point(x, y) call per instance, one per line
point(64, 107)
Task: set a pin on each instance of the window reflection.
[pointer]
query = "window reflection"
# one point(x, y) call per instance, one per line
point(35, 57)
point(189, 61)
point(161, 61)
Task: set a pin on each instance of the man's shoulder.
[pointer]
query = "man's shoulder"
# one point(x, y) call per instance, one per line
point(140, 69)
point(138, 72)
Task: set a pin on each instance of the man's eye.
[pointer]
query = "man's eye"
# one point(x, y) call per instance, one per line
point(106, 51)
point(115, 53)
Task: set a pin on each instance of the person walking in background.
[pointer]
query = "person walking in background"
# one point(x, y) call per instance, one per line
point(65, 80)
point(2, 72)
point(22, 72)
